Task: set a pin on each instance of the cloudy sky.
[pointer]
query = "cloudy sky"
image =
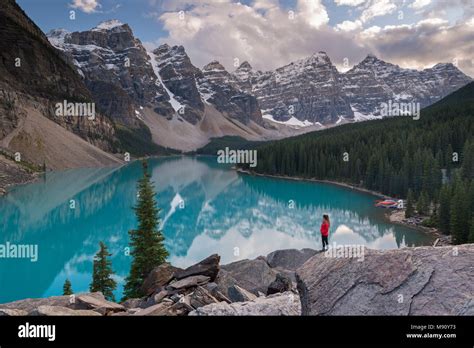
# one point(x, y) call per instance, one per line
point(272, 33)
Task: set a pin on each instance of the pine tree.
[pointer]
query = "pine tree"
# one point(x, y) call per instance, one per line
point(459, 215)
point(67, 289)
point(444, 210)
point(410, 210)
point(468, 161)
point(471, 232)
point(422, 204)
point(147, 241)
point(102, 272)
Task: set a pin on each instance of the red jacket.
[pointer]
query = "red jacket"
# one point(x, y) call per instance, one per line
point(325, 229)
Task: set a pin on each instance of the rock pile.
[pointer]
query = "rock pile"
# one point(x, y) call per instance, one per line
point(408, 281)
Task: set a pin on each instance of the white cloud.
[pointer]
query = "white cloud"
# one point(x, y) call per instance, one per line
point(349, 25)
point(417, 4)
point(349, 2)
point(438, 22)
point(313, 12)
point(265, 4)
point(87, 6)
point(265, 35)
point(378, 8)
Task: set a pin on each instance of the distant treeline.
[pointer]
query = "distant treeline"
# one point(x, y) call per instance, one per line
point(432, 157)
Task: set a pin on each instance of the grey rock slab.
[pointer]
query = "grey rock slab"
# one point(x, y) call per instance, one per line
point(208, 267)
point(190, 282)
point(252, 275)
point(408, 281)
point(282, 304)
point(61, 311)
point(289, 259)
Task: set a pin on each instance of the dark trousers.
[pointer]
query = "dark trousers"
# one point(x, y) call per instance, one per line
point(325, 241)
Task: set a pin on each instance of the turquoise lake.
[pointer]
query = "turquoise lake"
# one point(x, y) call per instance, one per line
point(206, 208)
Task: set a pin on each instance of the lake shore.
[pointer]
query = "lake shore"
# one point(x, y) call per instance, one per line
point(396, 216)
point(13, 174)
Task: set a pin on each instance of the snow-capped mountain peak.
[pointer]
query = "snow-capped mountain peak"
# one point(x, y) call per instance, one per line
point(108, 25)
point(245, 66)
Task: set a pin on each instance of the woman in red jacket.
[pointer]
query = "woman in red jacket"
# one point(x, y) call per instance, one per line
point(325, 231)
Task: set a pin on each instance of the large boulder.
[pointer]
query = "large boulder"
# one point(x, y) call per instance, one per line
point(252, 275)
point(408, 281)
point(208, 267)
point(158, 277)
point(30, 304)
point(61, 311)
point(158, 309)
point(238, 294)
point(282, 283)
point(287, 303)
point(224, 281)
point(102, 306)
point(289, 259)
point(189, 282)
point(5, 312)
point(201, 297)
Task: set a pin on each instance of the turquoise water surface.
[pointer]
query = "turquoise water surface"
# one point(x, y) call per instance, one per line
point(205, 208)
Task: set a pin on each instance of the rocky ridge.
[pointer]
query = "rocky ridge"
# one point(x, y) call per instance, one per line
point(312, 91)
point(33, 78)
point(408, 281)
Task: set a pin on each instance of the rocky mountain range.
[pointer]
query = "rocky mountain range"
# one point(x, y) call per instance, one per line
point(307, 92)
point(160, 89)
point(150, 100)
point(312, 91)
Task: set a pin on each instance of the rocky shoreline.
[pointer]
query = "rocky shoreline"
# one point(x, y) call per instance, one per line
point(408, 281)
point(11, 174)
point(416, 222)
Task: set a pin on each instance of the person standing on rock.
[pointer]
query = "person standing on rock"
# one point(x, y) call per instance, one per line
point(325, 231)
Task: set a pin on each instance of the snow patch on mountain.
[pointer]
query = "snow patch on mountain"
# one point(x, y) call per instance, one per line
point(108, 25)
point(154, 63)
point(293, 121)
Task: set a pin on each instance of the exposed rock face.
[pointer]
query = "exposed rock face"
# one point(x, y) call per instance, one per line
point(289, 259)
point(373, 82)
point(238, 294)
point(208, 267)
point(5, 312)
point(61, 311)
point(409, 281)
point(116, 69)
point(100, 305)
point(219, 88)
point(309, 89)
point(201, 297)
point(286, 304)
point(312, 90)
point(157, 278)
point(180, 76)
point(88, 304)
point(252, 275)
point(33, 75)
point(282, 283)
point(191, 281)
